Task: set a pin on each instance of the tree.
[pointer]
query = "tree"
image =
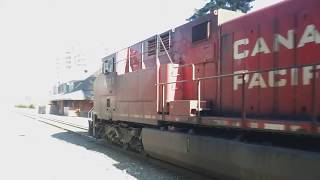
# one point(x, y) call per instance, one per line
point(242, 5)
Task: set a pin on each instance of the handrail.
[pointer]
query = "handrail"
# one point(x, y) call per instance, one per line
point(235, 74)
point(90, 112)
point(243, 94)
point(165, 49)
point(193, 69)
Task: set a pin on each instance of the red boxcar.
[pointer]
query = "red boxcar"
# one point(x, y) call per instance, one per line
point(256, 71)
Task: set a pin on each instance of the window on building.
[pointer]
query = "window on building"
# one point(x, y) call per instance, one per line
point(59, 90)
point(71, 86)
point(201, 32)
point(64, 88)
point(67, 88)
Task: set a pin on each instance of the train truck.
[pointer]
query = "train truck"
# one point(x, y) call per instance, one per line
point(231, 95)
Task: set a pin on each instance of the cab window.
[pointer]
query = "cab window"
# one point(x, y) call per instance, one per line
point(108, 66)
point(201, 32)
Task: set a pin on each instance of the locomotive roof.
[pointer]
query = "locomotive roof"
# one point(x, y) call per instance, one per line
point(223, 16)
point(257, 11)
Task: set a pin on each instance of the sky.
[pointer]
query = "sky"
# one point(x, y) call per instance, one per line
point(34, 33)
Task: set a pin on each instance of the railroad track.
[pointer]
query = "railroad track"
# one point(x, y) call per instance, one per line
point(70, 127)
point(154, 163)
point(60, 122)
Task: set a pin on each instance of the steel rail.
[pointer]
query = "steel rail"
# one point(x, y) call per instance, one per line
point(57, 121)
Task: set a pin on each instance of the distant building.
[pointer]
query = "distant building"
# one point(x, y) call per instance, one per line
point(72, 93)
point(73, 98)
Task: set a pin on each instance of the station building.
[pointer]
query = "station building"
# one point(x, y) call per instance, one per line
point(73, 98)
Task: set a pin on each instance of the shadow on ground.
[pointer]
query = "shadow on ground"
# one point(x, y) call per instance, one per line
point(140, 168)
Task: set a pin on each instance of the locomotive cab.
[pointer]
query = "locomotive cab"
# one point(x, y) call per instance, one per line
point(104, 89)
point(108, 65)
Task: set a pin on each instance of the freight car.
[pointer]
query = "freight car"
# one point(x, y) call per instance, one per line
point(187, 95)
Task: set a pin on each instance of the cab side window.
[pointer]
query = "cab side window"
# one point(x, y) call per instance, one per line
point(108, 66)
point(201, 32)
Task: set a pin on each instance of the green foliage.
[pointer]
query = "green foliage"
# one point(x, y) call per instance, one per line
point(21, 106)
point(242, 5)
point(31, 106)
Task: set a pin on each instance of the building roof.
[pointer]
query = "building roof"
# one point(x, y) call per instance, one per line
point(76, 95)
point(81, 89)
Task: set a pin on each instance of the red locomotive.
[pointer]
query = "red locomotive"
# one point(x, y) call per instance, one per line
point(259, 71)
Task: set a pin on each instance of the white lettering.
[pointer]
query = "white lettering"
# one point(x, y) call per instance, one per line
point(275, 82)
point(237, 79)
point(278, 78)
point(257, 80)
point(236, 45)
point(308, 36)
point(288, 43)
point(260, 46)
point(307, 75)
